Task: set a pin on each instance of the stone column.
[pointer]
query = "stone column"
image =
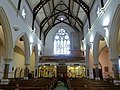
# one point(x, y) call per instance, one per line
point(115, 68)
point(96, 68)
point(116, 71)
point(87, 71)
point(6, 68)
point(6, 71)
point(36, 72)
point(86, 52)
point(26, 71)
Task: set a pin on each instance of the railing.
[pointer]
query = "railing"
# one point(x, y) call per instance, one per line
point(62, 59)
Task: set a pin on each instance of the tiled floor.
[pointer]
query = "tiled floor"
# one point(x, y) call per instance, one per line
point(61, 86)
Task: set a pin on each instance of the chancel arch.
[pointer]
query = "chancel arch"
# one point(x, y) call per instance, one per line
point(114, 34)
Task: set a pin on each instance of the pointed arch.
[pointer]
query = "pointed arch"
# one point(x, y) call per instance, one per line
point(113, 36)
point(36, 55)
point(26, 46)
point(96, 42)
point(20, 35)
point(102, 49)
point(27, 49)
point(87, 54)
point(7, 34)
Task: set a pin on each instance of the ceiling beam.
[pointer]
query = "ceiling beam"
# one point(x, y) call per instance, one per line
point(43, 2)
point(102, 3)
point(45, 13)
point(61, 12)
point(37, 8)
point(64, 13)
point(77, 12)
point(53, 7)
point(49, 28)
point(74, 27)
point(85, 7)
point(19, 4)
point(72, 10)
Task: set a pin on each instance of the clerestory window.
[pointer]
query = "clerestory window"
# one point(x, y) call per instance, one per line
point(61, 42)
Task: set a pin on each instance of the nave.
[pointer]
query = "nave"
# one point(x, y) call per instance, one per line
point(52, 38)
point(54, 84)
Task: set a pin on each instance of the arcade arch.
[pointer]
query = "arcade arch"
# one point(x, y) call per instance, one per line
point(6, 42)
point(114, 39)
point(22, 51)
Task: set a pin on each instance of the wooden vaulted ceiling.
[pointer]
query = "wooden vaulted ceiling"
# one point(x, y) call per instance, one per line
point(49, 13)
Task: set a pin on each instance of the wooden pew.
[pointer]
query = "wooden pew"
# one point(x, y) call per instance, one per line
point(9, 87)
point(86, 84)
point(36, 84)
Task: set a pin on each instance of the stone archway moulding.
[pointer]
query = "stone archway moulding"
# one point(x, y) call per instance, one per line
point(7, 34)
point(36, 55)
point(26, 47)
point(113, 37)
point(20, 35)
point(96, 51)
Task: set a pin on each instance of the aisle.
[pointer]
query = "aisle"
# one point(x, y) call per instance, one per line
point(61, 86)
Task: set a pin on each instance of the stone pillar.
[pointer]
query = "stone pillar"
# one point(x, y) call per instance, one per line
point(96, 71)
point(87, 72)
point(86, 52)
point(36, 72)
point(115, 68)
point(26, 71)
point(6, 71)
point(91, 72)
point(6, 68)
point(116, 71)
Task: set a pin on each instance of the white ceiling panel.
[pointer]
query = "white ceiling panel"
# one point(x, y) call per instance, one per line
point(41, 14)
point(33, 3)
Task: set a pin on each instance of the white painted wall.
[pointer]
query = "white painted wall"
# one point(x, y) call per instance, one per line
point(107, 13)
point(23, 26)
point(17, 21)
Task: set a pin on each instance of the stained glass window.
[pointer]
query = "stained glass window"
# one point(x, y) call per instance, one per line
point(61, 42)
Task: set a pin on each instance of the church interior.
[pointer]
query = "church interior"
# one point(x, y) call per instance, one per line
point(59, 45)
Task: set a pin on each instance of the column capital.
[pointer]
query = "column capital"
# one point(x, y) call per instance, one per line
point(26, 65)
point(7, 61)
point(87, 66)
point(36, 66)
point(95, 66)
